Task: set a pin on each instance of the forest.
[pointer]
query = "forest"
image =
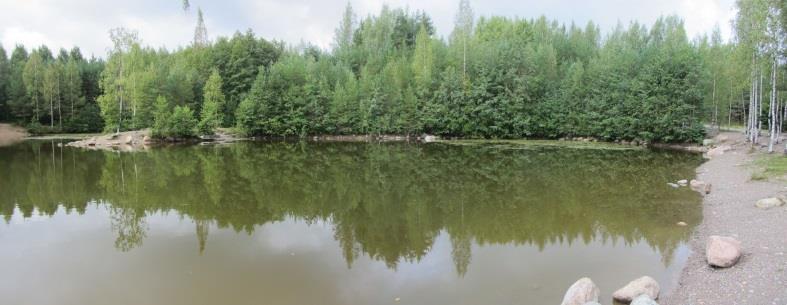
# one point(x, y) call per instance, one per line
point(390, 73)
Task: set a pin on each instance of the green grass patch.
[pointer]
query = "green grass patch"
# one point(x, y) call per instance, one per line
point(769, 166)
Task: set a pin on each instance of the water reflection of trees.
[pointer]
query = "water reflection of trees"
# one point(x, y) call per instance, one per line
point(388, 201)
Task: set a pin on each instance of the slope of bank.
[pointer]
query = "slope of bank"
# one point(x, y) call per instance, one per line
point(10, 134)
point(760, 277)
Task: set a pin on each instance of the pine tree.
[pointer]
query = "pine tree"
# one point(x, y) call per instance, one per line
point(201, 31)
point(213, 102)
point(5, 73)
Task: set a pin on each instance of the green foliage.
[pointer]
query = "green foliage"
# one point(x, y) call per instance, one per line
point(179, 122)
point(213, 103)
point(182, 123)
point(4, 79)
point(495, 77)
point(161, 118)
point(769, 166)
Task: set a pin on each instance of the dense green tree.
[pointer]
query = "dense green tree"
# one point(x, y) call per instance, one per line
point(161, 118)
point(182, 123)
point(17, 102)
point(5, 74)
point(494, 77)
point(211, 116)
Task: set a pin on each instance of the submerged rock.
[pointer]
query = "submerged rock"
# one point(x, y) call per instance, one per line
point(645, 285)
point(581, 292)
point(722, 251)
point(768, 203)
point(673, 185)
point(643, 300)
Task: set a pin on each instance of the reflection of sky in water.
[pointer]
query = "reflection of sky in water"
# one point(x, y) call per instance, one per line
point(70, 259)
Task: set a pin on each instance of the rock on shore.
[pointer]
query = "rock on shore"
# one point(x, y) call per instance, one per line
point(700, 186)
point(644, 285)
point(722, 251)
point(768, 203)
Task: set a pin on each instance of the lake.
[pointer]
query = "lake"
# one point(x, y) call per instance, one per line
point(337, 223)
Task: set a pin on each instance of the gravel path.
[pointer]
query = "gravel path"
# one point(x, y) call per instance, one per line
point(760, 278)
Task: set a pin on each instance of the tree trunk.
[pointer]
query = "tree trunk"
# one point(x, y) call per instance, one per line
point(715, 105)
point(59, 108)
point(51, 111)
point(773, 114)
point(120, 92)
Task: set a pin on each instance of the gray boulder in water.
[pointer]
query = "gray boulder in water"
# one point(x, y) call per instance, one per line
point(581, 292)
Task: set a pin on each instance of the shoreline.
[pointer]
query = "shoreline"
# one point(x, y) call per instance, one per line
point(760, 276)
point(141, 140)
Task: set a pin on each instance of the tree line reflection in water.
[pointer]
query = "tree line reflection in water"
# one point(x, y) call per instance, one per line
point(388, 201)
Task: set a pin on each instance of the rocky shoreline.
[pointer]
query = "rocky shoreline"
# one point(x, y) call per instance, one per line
point(756, 273)
point(141, 140)
point(738, 251)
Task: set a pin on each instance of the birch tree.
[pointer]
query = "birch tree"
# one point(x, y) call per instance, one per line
point(464, 29)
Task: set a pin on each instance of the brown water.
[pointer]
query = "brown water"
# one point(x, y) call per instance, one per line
point(337, 223)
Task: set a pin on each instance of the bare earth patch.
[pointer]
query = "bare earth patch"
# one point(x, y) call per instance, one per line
point(137, 140)
point(10, 134)
point(760, 277)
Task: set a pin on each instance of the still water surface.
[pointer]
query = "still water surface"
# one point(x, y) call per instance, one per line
point(336, 223)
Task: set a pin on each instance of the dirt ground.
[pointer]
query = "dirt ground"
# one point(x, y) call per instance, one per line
point(760, 278)
point(10, 134)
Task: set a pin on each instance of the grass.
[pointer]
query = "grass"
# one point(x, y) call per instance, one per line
point(769, 166)
point(525, 144)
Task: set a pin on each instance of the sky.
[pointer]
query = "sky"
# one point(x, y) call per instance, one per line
point(163, 23)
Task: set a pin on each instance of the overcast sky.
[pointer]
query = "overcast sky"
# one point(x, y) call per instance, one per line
point(85, 23)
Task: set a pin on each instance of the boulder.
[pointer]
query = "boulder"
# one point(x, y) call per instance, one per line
point(128, 140)
point(146, 139)
point(700, 186)
point(708, 142)
point(683, 182)
point(581, 292)
point(673, 185)
point(643, 300)
point(682, 224)
point(768, 203)
point(718, 151)
point(722, 251)
point(430, 138)
point(645, 285)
